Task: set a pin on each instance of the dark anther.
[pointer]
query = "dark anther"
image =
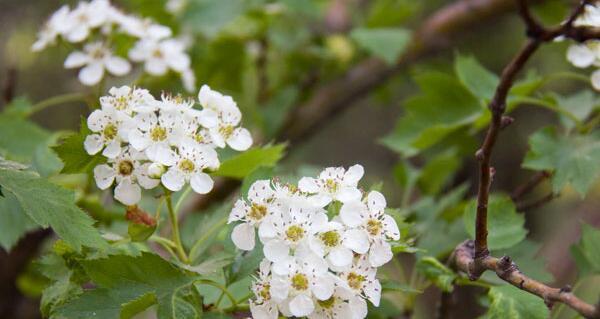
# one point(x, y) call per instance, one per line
point(566, 288)
point(506, 121)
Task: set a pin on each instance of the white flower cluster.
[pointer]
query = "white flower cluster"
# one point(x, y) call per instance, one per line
point(93, 24)
point(315, 266)
point(149, 141)
point(587, 54)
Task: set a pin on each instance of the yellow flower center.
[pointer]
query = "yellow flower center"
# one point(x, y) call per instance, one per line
point(374, 227)
point(265, 292)
point(257, 212)
point(199, 138)
point(331, 185)
point(110, 131)
point(157, 54)
point(125, 167)
point(294, 233)
point(121, 102)
point(327, 304)
point(355, 281)
point(158, 134)
point(226, 130)
point(299, 282)
point(187, 166)
point(330, 238)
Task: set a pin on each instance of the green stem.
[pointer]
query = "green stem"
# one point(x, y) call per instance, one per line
point(58, 99)
point(185, 193)
point(222, 288)
point(205, 236)
point(542, 103)
point(239, 307)
point(175, 226)
point(165, 243)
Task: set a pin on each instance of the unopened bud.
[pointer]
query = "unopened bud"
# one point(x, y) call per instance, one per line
point(156, 170)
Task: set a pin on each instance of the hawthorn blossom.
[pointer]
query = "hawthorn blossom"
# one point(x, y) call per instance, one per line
point(361, 280)
point(52, 29)
point(85, 17)
point(128, 100)
point(370, 219)
point(161, 56)
point(129, 172)
point(586, 54)
point(334, 183)
point(110, 128)
point(251, 213)
point(339, 244)
point(263, 307)
point(94, 59)
point(155, 134)
point(190, 162)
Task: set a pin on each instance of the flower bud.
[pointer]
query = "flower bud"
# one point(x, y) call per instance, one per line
point(155, 170)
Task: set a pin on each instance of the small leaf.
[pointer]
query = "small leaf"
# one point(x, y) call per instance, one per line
point(475, 77)
point(435, 271)
point(573, 159)
point(587, 251)
point(386, 43)
point(247, 162)
point(505, 225)
point(510, 302)
point(73, 155)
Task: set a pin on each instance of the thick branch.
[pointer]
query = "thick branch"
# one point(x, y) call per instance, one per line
point(464, 260)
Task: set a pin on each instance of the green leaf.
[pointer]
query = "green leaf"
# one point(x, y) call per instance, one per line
point(209, 17)
point(50, 205)
point(443, 107)
point(127, 285)
point(510, 302)
point(140, 232)
point(481, 82)
point(14, 223)
point(74, 156)
point(525, 254)
point(505, 225)
point(276, 109)
point(579, 104)
point(388, 285)
point(587, 251)
point(386, 43)
point(247, 162)
point(573, 159)
point(435, 271)
point(438, 171)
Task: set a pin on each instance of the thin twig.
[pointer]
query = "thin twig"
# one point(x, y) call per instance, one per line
point(464, 256)
point(536, 203)
point(528, 186)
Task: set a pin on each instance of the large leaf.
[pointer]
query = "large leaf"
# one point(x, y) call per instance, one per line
point(50, 205)
point(587, 252)
point(209, 17)
point(435, 271)
point(511, 302)
point(247, 162)
point(14, 223)
point(443, 106)
point(386, 43)
point(573, 159)
point(74, 156)
point(505, 225)
point(475, 77)
point(128, 285)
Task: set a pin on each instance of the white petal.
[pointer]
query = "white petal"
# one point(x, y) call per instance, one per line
point(138, 140)
point(279, 288)
point(179, 62)
point(104, 176)
point(380, 253)
point(208, 118)
point(352, 213)
point(376, 201)
point(348, 193)
point(240, 139)
point(276, 250)
point(91, 74)
point(318, 222)
point(173, 179)
point(353, 175)
point(317, 246)
point(373, 292)
point(113, 149)
point(308, 185)
point(264, 311)
point(97, 120)
point(260, 191)
point(340, 257)
point(76, 59)
point(243, 236)
point(128, 192)
point(162, 154)
point(143, 179)
point(156, 66)
point(390, 227)
point(580, 55)
point(201, 183)
point(117, 66)
point(238, 211)
point(595, 79)
point(284, 266)
point(323, 287)
point(266, 230)
point(93, 144)
point(359, 307)
point(357, 240)
point(301, 306)
point(78, 33)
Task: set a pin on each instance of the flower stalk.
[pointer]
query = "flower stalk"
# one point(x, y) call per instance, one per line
point(175, 229)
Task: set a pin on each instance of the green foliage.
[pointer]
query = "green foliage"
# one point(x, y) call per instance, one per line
point(587, 252)
point(50, 205)
point(247, 162)
point(128, 285)
point(573, 159)
point(74, 156)
point(525, 254)
point(435, 271)
point(13, 221)
point(505, 225)
point(385, 43)
point(510, 302)
point(475, 77)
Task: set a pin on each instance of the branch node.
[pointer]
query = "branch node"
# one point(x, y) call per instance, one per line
point(506, 121)
point(479, 155)
point(566, 289)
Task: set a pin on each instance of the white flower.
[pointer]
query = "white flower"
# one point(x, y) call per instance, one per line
point(225, 131)
point(307, 278)
point(190, 162)
point(160, 56)
point(85, 17)
point(371, 220)
point(130, 173)
point(94, 59)
point(338, 244)
point(155, 134)
point(590, 16)
point(334, 183)
point(110, 128)
point(52, 29)
point(583, 55)
point(142, 28)
point(127, 100)
point(260, 204)
point(341, 305)
point(595, 79)
point(360, 280)
point(263, 307)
